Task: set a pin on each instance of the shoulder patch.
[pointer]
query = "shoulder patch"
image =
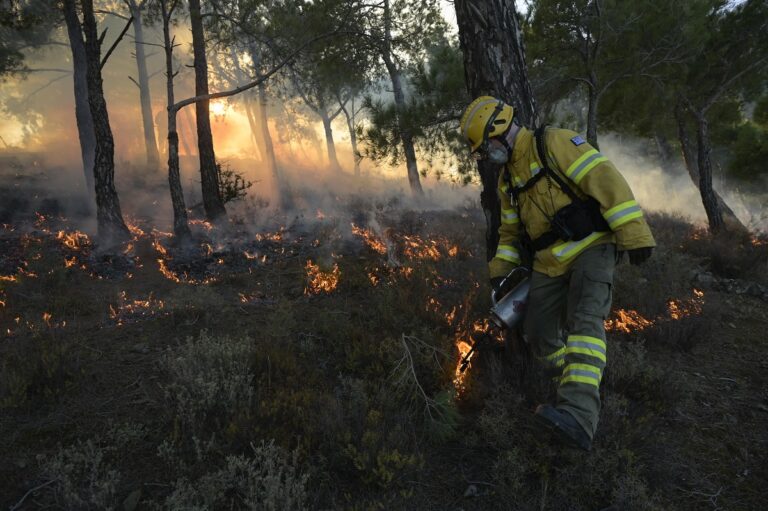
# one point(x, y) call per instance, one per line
point(577, 140)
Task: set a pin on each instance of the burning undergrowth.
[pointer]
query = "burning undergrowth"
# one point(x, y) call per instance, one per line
point(345, 333)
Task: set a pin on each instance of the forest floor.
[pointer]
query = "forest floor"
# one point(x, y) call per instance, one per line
point(312, 364)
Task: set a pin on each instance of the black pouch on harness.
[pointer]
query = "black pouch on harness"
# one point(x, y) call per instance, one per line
point(578, 220)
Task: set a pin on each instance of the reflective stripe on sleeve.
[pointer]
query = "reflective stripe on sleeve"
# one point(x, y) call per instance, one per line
point(508, 253)
point(581, 373)
point(623, 213)
point(509, 216)
point(567, 250)
point(586, 345)
point(585, 163)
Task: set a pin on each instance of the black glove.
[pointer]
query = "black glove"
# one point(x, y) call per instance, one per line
point(640, 255)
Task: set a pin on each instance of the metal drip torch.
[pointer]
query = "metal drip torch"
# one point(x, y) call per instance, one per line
point(506, 313)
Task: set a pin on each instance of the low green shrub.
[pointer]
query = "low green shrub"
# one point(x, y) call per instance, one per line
point(268, 479)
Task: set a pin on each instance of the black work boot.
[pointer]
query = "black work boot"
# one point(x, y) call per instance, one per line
point(564, 426)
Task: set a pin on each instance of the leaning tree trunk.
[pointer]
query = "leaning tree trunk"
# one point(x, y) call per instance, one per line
point(209, 175)
point(150, 141)
point(330, 146)
point(494, 63)
point(109, 217)
point(708, 198)
point(692, 166)
point(83, 118)
point(180, 220)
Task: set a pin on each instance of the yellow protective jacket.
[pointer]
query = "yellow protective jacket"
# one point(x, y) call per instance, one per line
point(588, 173)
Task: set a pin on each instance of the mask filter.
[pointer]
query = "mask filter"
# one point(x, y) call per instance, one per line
point(498, 155)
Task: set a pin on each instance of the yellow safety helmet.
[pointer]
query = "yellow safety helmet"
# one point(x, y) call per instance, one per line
point(485, 118)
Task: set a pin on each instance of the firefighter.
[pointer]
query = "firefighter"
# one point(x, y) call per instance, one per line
point(565, 206)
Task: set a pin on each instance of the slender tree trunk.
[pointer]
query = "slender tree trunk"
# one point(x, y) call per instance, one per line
point(180, 220)
point(145, 96)
point(83, 118)
point(285, 198)
point(494, 63)
point(406, 137)
point(690, 159)
point(708, 197)
point(209, 175)
point(350, 116)
point(189, 127)
point(330, 146)
point(109, 217)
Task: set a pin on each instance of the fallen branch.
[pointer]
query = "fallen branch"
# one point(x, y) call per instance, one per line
point(30, 492)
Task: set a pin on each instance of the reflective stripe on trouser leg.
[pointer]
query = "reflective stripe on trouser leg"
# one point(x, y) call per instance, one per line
point(589, 302)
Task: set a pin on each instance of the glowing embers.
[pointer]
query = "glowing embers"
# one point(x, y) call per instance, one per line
point(631, 321)
point(128, 310)
point(319, 281)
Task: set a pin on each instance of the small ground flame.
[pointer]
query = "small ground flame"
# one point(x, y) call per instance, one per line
point(464, 342)
point(370, 239)
point(627, 321)
point(320, 281)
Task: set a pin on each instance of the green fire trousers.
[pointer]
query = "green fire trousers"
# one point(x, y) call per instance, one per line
point(564, 326)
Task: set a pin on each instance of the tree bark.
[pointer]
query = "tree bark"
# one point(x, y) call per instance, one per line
point(111, 226)
point(708, 197)
point(209, 175)
point(594, 99)
point(145, 96)
point(180, 220)
point(83, 118)
point(494, 64)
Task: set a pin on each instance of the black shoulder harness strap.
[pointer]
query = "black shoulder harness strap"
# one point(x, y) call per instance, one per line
point(547, 170)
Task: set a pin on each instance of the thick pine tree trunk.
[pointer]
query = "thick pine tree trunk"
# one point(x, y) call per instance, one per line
point(209, 175)
point(83, 118)
point(180, 220)
point(111, 226)
point(494, 64)
point(145, 96)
